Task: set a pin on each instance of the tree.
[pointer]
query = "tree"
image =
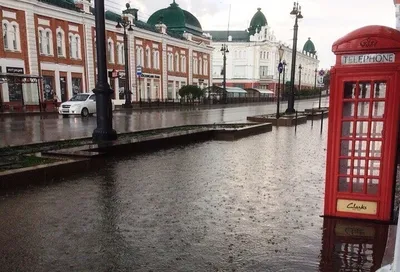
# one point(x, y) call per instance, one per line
point(191, 92)
point(327, 79)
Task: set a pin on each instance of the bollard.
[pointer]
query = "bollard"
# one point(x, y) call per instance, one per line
point(312, 117)
point(322, 121)
point(295, 123)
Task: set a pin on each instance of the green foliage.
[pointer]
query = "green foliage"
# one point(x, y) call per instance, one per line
point(191, 91)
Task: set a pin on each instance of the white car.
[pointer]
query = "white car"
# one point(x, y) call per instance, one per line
point(81, 103)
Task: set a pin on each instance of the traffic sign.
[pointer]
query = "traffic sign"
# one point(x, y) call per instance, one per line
point(321, 72)
point(280, 67)
point(139, 70)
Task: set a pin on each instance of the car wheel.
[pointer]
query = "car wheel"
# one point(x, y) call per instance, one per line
point(65, 116)
point(85, 112)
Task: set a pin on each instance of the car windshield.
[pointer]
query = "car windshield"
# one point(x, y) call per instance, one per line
point(79, 97)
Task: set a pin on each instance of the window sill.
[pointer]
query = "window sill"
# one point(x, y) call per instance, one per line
point(12, 50)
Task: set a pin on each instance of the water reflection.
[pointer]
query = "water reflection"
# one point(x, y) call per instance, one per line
point(349, 245)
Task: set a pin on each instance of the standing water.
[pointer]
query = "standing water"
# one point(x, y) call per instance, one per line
point(248, 205)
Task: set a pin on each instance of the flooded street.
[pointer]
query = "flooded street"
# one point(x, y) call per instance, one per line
point(249, 205)
point(17, 130)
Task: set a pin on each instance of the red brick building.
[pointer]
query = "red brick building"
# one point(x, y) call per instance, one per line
point(54, 41)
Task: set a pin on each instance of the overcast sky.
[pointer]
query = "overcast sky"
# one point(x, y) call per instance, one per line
point(324, 20)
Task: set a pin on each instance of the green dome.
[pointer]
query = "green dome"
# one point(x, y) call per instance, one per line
point(176, 19)
point(257, 22)
point(309, 47)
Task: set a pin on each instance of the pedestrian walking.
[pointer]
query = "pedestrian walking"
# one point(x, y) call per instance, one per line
point(55, 101)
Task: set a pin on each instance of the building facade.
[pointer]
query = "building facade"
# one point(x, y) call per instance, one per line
point(55, 41)
point(253, 58)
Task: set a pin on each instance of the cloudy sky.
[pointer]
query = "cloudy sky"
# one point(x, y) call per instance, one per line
point(324, 20)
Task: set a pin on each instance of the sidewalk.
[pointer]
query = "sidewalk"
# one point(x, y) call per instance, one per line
point(137, 108)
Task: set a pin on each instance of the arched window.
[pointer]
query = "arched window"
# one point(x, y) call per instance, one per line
point(95, 49)
point(138, 57)
point(170, 62)
point(205, 68)
point(156, 62)
point(48, 43)
point(14, 37)
point(195, 65)
point(200, 66)
point(77, 47)
point(121, 53)
point(5, 35)
point(148, 58)
point(41, 41)
point(177, 62)
point(60, 44)
point(110, 51)
point(71, 49)
point(183, 64)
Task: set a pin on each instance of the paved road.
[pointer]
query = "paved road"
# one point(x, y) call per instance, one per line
point(17, 130)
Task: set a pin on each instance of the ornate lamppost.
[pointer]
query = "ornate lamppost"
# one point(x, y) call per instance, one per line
point(283, 79)
point(300, 68)
point(224, 50)
point(280, 68)
point(104, 130)
point(297, 13)
point(127, 25)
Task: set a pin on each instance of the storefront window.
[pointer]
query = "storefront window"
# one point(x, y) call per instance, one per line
point(48, 87)
point(170, 90)
point(121, 89)
point(76, 85)
point(15, 91)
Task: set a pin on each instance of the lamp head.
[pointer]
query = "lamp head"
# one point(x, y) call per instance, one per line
point(300, 67)
point(280, 51)
point(118, 25)
point(130, 29)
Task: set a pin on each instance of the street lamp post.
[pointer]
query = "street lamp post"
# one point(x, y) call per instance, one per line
point(224, 50)
point(297, 12)
point(284, 82)
point(280, 68)
point(300, 67)
point(126, 24)
point(104, 130)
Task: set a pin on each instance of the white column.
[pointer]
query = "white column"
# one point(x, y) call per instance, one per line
point(69, 84)
point(132, 67)
point(397, 16)
point(88, 45)
point(152, 93)
point(57, 83)
point(190, 67)
point(174, 89)
point(144, 89)
point(164, 67)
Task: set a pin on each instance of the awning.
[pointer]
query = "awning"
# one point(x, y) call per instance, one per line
point(234, 90)
point(263, 91)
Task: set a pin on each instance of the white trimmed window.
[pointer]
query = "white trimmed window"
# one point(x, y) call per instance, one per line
point(183, 64)
point(45, 41)
point(11, 36)
point(121, 53)
point(170, 62)
point(205, 68)
point(148, 57)
point(156, 59)
point(60, 42)
point(95, 49)
point(74, 46)
point(195, 66)
point(139, 56)
point(5, 35)
point(110, 50)
point(200, 66)
point(177, 62)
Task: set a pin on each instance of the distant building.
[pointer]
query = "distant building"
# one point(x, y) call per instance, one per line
point(253, 57)
point(55, 40)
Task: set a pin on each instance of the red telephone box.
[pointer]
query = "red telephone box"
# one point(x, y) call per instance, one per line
point(363, 124)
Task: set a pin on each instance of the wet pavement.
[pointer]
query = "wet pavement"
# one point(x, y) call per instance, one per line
point(248, 205)
point(17, 130)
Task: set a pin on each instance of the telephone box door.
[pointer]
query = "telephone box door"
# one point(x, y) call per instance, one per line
point(362, 176)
